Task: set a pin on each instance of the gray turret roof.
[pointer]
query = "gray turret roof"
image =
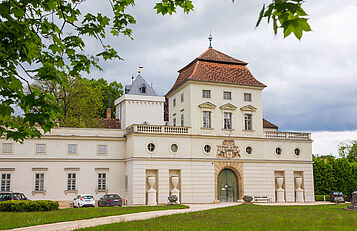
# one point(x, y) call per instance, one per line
point(139, 87)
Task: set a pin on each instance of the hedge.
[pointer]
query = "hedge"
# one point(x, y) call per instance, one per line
point(321, 197)
point(28, 206)
point(331, 174)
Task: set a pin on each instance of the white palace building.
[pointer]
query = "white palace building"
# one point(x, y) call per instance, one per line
point(214, 146)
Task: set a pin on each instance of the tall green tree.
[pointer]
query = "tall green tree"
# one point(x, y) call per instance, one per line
point(78, 102)
point(82, 101)
point(44, 40)
point(111, 91)
point(348, 151)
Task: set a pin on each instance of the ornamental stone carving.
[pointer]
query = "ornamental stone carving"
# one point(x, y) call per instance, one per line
point(228, 150)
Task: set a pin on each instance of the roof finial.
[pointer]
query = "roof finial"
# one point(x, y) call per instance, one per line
point(210, 39)
point(140, 68)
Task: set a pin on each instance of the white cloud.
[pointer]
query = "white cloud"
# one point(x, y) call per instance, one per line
point(326, 142)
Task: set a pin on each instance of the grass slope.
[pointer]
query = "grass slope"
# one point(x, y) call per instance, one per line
point(10, 220)
point(249, 217)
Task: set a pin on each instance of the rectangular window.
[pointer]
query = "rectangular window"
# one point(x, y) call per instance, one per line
point(40, 148)
point(206, 119)
point(71, 181)
point(72, 148)
point(7, 148)
point(174, 122)
point(102, 149)
point(126, 182)
point(5, 182)
point(182, 120)
point(227, 120)
point(39, 181)
point(182, 97)
point(102, 181)
point(227, 95)
point(174, 102)
point(248, 122)
point(206, 94)
point(247, 97)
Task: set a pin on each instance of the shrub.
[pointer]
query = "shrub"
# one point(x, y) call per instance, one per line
point(321, 197)
point(28, 206)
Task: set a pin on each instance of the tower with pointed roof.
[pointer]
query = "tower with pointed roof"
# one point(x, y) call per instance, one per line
point(139, 87)
point(140, 105)
point(217, 94)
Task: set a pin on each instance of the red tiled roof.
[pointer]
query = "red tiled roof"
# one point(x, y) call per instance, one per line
point(267, 124)
point(216, 56)
point(214, 66)
point(106, 123)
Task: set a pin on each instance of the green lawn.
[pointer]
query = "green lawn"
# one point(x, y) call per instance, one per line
point(249, 217)
point(10, 220)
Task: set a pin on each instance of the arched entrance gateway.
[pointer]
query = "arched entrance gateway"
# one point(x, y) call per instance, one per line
point(228, 173)
point(227, 186)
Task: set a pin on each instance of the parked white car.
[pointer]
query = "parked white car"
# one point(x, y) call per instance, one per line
point(84, 200)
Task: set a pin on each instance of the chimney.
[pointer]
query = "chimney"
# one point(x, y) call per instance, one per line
point(109, 110)
point(109, 113)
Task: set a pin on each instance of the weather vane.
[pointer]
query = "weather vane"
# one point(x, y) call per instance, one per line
point(210, 39)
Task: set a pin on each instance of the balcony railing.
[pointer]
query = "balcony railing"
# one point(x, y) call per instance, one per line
point(141, 128)
point(288, 135)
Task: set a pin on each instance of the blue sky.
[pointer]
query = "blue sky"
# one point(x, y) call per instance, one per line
point(312, 83)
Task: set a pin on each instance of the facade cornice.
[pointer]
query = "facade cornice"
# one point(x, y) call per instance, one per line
point(186, 82)
point(225, 84)
point(33, 159)
point(218, 160)
point(79, 137)
point(218, 137)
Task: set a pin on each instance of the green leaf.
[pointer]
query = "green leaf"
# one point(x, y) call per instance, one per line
point(261, 14)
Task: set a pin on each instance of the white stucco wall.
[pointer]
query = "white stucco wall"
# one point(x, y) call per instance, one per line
point(55, 177)
point(259, 179)
point(23, 163)
point(193, 114)
point(191, 146)
point(137, 109)
point(197, 180)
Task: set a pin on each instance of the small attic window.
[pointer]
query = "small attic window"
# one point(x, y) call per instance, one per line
point(143, 89)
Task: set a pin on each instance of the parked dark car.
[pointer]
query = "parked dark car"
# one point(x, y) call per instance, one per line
point(337, 197)
point(12, 196)
point(110, 200)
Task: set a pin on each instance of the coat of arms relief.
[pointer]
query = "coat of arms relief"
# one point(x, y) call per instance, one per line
point(228, 150)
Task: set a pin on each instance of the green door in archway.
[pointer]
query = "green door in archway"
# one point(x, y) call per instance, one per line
point(227, 186)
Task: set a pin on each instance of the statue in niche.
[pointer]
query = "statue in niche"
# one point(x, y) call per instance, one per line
point(228, 150)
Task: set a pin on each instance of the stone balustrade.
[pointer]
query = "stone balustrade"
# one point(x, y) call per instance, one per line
point(161, 129)
point(287, 135)
point(142, 128)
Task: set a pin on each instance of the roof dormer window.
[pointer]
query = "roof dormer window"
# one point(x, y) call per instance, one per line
point(143, 88)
